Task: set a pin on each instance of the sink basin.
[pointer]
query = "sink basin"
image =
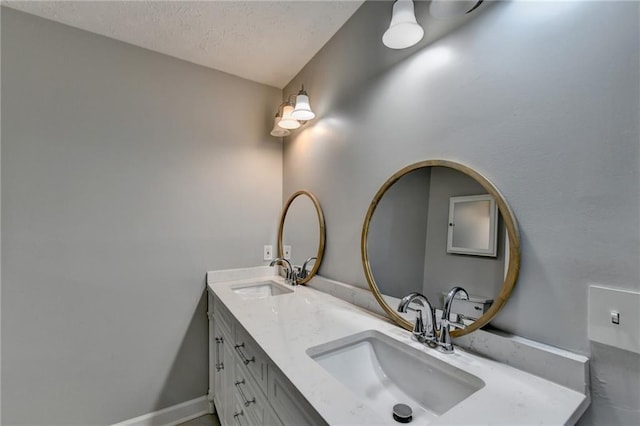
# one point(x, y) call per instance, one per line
point(260, 290)
point(384, 372)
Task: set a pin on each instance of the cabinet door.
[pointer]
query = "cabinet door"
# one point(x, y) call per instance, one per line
point(270, 418)
point(216, 365)
point(288, 404)
point(212, 352)
point(222, 364)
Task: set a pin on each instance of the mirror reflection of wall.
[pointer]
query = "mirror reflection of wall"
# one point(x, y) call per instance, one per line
point(301, 230)
point(407, 241)
point(301, 234)
point(397, 235)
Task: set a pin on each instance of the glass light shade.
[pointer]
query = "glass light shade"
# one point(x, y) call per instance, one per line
point(287, 121)
point(278, 131)
point(303, 109)
point(404, 30)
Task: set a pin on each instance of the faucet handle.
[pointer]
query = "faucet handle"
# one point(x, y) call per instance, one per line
point(455, 324)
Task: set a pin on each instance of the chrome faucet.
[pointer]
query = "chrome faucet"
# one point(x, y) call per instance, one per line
point(420, 332)
point(303, 269)
point(444, 341)
point(290, 275)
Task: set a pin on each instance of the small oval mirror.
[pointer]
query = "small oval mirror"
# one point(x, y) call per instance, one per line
point(301, 234)
point(438, 224)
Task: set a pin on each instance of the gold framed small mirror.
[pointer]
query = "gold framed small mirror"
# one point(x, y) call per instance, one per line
point(301, 234)
point(405, 242)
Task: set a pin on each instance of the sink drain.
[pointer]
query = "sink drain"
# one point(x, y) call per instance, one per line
point(402, 413)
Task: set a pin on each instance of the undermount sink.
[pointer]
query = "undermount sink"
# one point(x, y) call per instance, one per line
point(384, 372)
point(260, 290)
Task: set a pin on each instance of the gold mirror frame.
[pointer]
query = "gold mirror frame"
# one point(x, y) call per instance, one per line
point(509, 223)
point(321, 231)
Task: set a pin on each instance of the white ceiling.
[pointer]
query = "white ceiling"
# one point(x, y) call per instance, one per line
point(264, 41)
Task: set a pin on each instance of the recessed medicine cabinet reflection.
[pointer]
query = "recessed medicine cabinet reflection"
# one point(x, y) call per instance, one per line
point(473, 225)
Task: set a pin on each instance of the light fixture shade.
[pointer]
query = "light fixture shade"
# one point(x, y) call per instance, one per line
point(404, 30)
point(303, 109)
point(278, 131)
point(287, 121)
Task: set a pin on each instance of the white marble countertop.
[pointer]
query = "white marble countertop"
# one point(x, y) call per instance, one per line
point(285, 326)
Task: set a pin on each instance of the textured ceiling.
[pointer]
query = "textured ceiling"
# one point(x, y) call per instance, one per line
point(263, 41)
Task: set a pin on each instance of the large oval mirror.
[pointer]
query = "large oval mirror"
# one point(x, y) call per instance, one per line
point(301, 234)
point(434, 225)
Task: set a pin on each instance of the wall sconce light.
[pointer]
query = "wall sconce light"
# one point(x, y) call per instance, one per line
point(404, 31)
point(290, 117)
point(278, 131)
point(287, 121)
point(302, 110)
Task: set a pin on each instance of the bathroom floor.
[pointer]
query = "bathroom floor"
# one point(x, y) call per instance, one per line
point(208, 420)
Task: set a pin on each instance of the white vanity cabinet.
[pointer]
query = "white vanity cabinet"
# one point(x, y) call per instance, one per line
point(245, 386)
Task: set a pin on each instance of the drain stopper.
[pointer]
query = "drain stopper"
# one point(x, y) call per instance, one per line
point(402, 413)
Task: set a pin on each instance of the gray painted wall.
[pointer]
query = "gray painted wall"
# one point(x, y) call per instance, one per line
point(479, 275)
point(0, 216)
point(126, 175)
point(543, 99)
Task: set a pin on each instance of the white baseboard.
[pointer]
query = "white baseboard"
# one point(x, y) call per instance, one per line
point(171, 416)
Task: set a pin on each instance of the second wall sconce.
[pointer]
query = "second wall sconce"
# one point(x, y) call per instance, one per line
point(291, 115)
point(404, 30)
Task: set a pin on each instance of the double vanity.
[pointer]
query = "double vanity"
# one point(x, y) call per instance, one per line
point(441, 254)
point(283, 355)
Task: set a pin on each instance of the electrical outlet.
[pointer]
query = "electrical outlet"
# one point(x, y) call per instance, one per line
point(287, 252)
point(268, 252)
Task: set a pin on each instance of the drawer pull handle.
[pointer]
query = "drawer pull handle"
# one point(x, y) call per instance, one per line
point(242, 356)
point(244, 398)
point(219, 364)
point(236, 417)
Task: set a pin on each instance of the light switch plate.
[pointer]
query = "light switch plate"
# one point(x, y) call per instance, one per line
point(287, 252)
point(609, 304)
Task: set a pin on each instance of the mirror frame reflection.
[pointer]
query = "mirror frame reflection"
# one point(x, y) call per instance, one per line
point(321, 231)
point(510, 225)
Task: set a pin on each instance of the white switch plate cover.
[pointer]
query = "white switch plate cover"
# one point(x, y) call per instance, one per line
point(268, 253)
point(287, 252)
point(603, 301)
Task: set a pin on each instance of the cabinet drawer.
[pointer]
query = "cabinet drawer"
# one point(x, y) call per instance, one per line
point(250, 355)
point(223, 317)
point(239, 415)
point(252, 400)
